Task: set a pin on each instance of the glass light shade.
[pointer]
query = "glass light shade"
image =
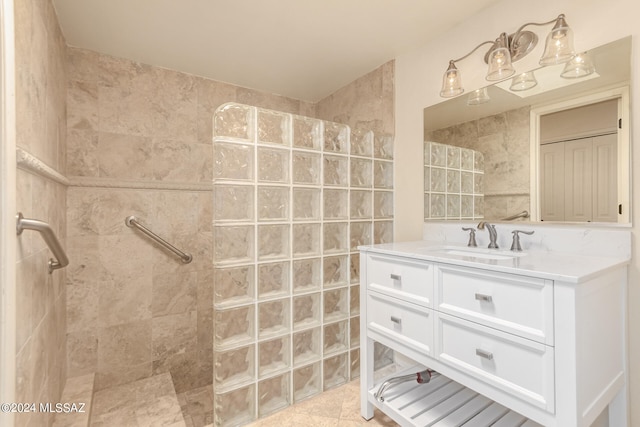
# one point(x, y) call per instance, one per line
point(559, 45)
point(451, 82)
point(500, 66)
point(523, 81)
point(579, 66)
point(478, 96)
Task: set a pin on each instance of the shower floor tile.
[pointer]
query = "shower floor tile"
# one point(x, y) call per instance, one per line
point(148, 402)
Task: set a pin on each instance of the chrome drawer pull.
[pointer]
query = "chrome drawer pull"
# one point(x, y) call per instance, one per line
point(396, 320)
point(396, 276)
point(483, 297)
point(482, 353)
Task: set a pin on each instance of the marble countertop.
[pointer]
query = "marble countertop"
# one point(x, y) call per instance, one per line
point(559, 266)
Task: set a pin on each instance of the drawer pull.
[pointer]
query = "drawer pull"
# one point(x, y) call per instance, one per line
point(396, 320)
point(395, 276)
point(483, 297)
point(483, 353)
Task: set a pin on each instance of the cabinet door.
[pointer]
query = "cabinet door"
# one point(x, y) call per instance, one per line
point(552, 182)
point(578, 185)
point(605, 178)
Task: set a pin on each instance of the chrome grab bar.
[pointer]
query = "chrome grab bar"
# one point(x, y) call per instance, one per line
point(132, 222)
point(523, 214)
point(49, 237)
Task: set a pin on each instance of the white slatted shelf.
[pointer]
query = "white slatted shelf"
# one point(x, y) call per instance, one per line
point(443, 403)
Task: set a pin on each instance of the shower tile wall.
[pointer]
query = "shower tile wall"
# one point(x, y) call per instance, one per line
point(293, 198)
point(453, 182)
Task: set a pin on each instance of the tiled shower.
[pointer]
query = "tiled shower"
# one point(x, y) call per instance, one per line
point(293, 198)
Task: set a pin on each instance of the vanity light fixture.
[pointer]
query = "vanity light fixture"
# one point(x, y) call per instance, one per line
point(478, 96)
point(579, 66)
point(510, 48)
point(524, 81)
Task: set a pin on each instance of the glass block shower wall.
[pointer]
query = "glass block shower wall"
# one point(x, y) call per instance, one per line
point(453, 182)
point(293, 198)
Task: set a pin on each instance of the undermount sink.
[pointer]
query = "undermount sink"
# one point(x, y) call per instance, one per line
point(491, 254)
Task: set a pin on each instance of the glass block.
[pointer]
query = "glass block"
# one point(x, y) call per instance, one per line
point(427, 178)
point(273, 241)
point(361, 173)
point(466, 206)
point(360, 234)
point(336, 304)
point(273, 165)
point(478, 161)
point(273, 127)
point(232, 161)
point(335, 204)
point(382, 174)
point(233, 285)
point(466, 182)
point(233, 244)
point(273, 395)
point(336, 170)
point(438, 179)
point(453, 206)
point(234, 326)
point(306, 204)
point(466, 159)
point(306, 275)
point(427, 206)
point(453, 181)
point(336, 137)
point(354, 300)
point(438, 154)
point(233, 203)
point(335, 237)
point(306, 346)
point(478, 183)
point(478, 206)
point(453, 157)
point(306, 382)
point(273, 279)
point(235, 408)
point(382, 232)
point(273, 318)
point(234, 367)
point(383, 146)
point(336, 371)
point(427, 153)
point(382, 356)
point(306, 168)
point(335, 271)
point(362, 142)
point(307, 133)
point(273, 203)
point(354, 331)
point(354, 362)
point(273, 356)
point(437, 205)
point(335, 337)
point(306, 311)
point(234, 121)
point(354, 261)
point(306, 240)
point(361, 204)
point(382, 204)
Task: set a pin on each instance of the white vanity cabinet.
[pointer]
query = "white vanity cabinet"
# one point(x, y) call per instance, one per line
point(510, 343)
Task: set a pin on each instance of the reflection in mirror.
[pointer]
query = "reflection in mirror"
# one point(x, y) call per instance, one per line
point(510, 135)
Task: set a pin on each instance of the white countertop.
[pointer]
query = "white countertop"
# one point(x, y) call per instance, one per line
point(559, 266)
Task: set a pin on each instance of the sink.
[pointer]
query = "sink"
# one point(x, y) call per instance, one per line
point(490, 254)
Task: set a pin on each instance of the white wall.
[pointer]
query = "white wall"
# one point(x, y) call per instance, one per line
point(419, 77)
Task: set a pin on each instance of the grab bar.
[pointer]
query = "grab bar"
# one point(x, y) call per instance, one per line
point(49, 237)
point(523, 214)
point(132, 222)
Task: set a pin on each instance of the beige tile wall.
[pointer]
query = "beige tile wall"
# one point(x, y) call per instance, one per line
point(41, 297)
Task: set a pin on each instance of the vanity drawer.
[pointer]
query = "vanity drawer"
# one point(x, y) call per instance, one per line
point(403, 323)
point(516, 304)
point(515, 365)
point(401, 278)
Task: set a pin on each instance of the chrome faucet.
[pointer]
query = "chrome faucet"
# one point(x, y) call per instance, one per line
point(493, 234)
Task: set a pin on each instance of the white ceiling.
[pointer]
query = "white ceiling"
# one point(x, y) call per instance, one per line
point(304, 49)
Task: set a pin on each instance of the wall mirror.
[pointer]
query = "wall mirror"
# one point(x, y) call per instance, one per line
point(558, 150)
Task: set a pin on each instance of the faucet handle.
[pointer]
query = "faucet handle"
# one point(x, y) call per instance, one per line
point(515, 246)
point(472, 236)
